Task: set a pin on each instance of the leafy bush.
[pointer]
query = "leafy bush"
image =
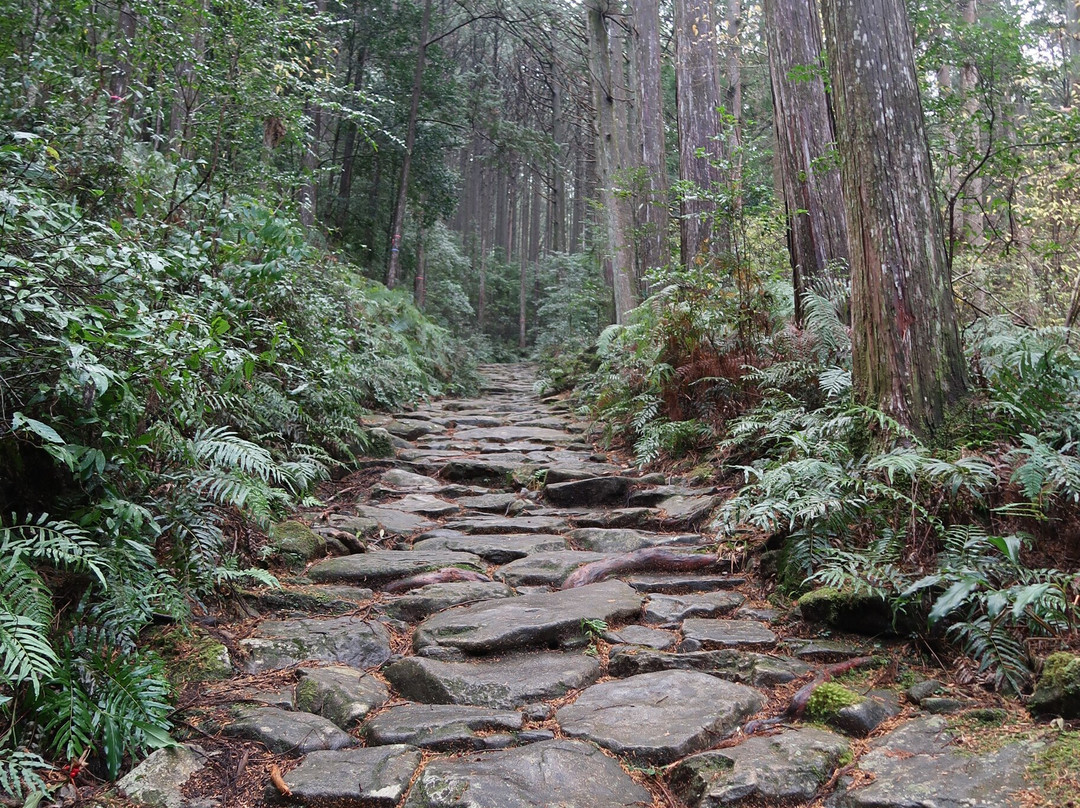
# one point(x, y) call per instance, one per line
point(158, 377)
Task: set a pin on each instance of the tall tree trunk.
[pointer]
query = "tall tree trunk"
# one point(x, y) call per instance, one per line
point(420, 279)
point(973, 216)
point(1072, 53)
point(348, 155)
point(394, 268)
point(733, 103)
point(558, 175)
point(646, 17)
point(528, 200)
point(906, 344)
point(805, 139)
point(120, 82)
point(310, 160)
point(609, 149)
point(581, 182)
point(698, 95)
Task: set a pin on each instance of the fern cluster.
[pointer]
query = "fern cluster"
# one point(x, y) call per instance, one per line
point(157, 379)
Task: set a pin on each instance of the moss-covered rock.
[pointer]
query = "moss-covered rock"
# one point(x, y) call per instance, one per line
point(1058, 690)
point(378, 443)
point(859, 613)
point(296, 542)
point(828, 699)
point(193, 657)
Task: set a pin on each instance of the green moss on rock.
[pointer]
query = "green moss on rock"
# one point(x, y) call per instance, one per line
point(296, 542)
point(828, 699)
point(860, 613)
point(1058, 690)
point(378, 443)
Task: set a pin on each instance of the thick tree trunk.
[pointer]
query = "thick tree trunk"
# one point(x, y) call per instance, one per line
point(394, 268)
point(698, 92)
point(805, 139)
point(646, 19)
point(610, 147)
point(907, 354)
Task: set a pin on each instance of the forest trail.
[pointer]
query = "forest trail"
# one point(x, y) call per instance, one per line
point(441, 659)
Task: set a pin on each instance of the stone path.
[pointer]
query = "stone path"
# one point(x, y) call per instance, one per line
point(446, 666)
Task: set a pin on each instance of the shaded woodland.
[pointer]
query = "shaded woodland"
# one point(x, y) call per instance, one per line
point(825, 254)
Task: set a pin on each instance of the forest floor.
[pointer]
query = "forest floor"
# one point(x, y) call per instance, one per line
point(509, 618)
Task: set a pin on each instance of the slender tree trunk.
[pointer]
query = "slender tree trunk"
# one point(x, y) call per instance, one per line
point(394, 268)
point(1072, 53)
point(906, 344)
point(733, 103)
point(310, 160)
point(609, 149)
point(805, 139)
point(558, 175)
point(646, 17)
point(420, 280)
point(120, 82)
point(973, 216)
point(348, 157)
point(698, 94)
point(581, 182)
point(527, 201)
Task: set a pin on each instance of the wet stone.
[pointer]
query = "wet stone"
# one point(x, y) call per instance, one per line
point(503, 683)
point(383, 566)
point(541, 775)
point(597, 491)
point(671, 610)
point(727, 633)
point(439, 727)
point(346, 640)
point(659, 717)
point(287, 732)
point(343, 695)
point(546, 569)
point(354, 778)
point(495, 548)
point(433, 598)
point(790, 765)
point(544, 620)
point(823, 650)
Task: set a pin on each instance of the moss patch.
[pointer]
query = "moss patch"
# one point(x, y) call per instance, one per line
point(1055, 771)
point(828, 699)
point(1058, 690)
point(848, 611)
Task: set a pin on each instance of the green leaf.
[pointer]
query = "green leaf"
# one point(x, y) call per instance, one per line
point(953, 598)
point(1009, 546)
point(43, 431)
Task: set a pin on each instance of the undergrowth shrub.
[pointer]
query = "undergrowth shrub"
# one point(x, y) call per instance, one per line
point(162, 377)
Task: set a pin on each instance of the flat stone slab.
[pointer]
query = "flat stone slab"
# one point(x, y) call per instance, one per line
point(395, 522)
point(433, 598)
point(823, 650)
point(345, 640)
point(439, 727)
point(659, 717)
point(412, 428)
point(409, 481)
point(674, 609)
point(496, 548)
point(287, 732)
point(546, 569)
point(625, 540)
point(493, 470)
point(615, 518)
point(380, 567)
point(788, 766)
point(563, 467)
point(745, 667)
point(546, 619)
point(342, 694)
point(504, 524)
point(727, 633)
point(423, 504)
point(567, 774)
point(495, 503)
point(686, 510)
point(596, 491)
point(354, 778)
point(916, 765)
point(634, 634)
point(157, 781)
point(677, 584)
point(503, 683)
point(504, 434)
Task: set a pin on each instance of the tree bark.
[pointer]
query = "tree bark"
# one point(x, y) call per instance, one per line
point(646, 17)
point(698, 95)
point(907, 354)
point(610, 140)
point(1072, 53)
point(805, 138)
point(394, 268)
point(120, 82)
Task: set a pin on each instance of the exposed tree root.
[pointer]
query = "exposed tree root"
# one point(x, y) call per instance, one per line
point(648, 559)
point(443, 576)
